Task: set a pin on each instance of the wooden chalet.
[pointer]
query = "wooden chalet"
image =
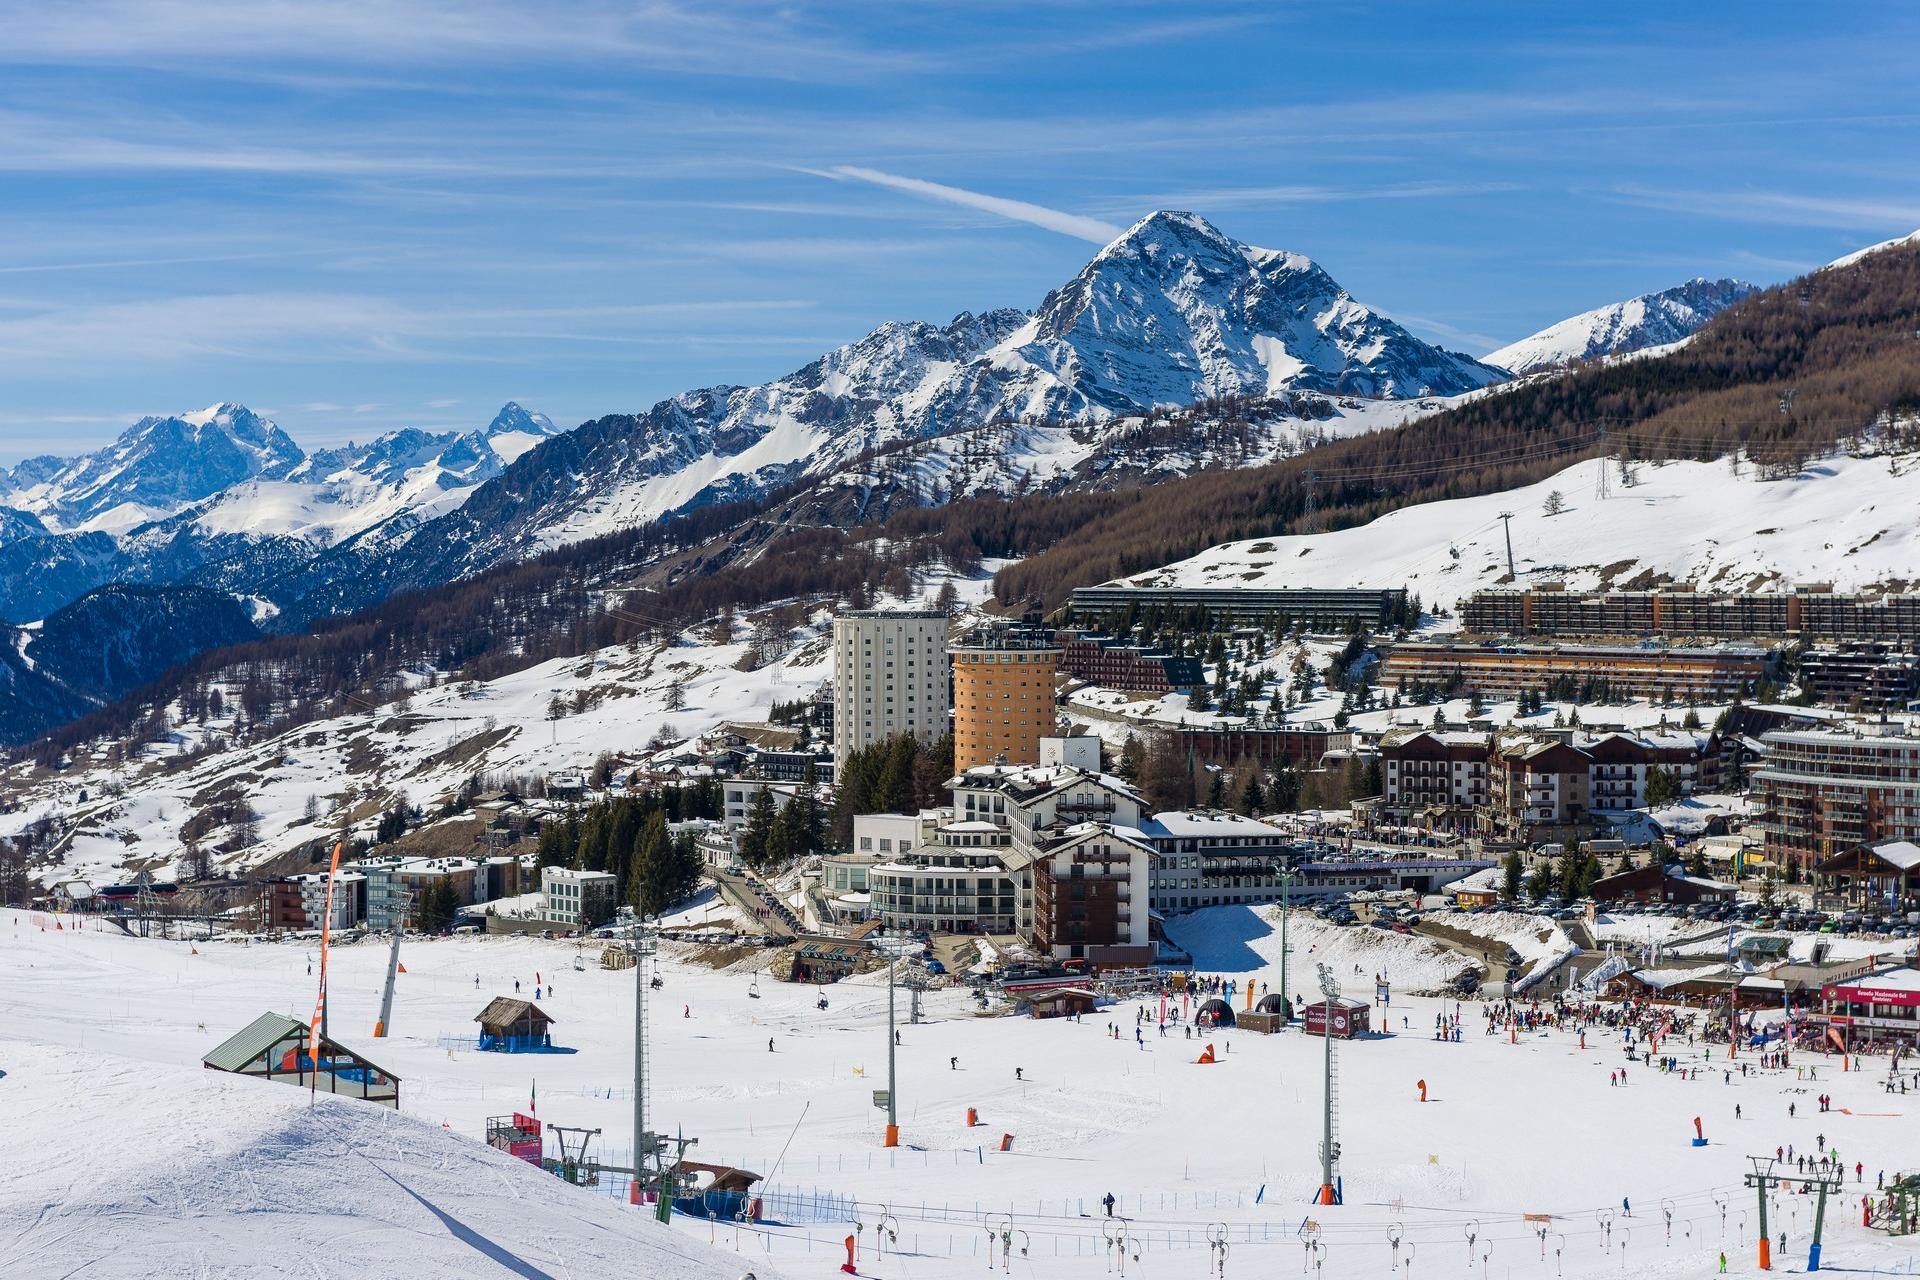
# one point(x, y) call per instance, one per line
point(513, 1026)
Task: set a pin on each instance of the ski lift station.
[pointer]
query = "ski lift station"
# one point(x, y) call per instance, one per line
point(827, 959)
point(275, 1047)
point(514, 1026)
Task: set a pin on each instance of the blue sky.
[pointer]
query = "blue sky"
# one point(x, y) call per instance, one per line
point(361, 216)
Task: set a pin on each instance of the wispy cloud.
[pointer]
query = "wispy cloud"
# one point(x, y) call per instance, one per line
point(1067, 224)
point(1458, 339)
point(246, 38)
point(318, 327)
point(1851, 213)
point(126, 264)
point(1254, 197)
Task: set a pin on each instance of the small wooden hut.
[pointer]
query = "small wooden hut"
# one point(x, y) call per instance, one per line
point(514, 1026)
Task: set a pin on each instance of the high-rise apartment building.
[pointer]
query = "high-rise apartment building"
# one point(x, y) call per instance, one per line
point(889, 677)
point(1003, 695)
point(1826, 791)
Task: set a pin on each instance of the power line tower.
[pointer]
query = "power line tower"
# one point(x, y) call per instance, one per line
point(1506, 518)
point(1329, 1148)
point(1601, 489)
point(646, 1145)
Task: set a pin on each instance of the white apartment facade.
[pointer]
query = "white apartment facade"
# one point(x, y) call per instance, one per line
point(889, 678)
point(574, 899)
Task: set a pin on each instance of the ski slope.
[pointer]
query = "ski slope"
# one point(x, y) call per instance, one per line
point(118, 1168)
point(107, 1031)
point(1850, 521)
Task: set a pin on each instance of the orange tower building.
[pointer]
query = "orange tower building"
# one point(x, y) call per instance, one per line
point(1003, 695)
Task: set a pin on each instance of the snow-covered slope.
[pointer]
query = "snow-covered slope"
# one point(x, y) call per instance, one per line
point(120, 815)
point(200, 1173)
point(1847, 260)
point(1854, 522)
point(1650, 320)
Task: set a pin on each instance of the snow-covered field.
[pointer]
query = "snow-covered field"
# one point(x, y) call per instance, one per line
point(1850, 521)
point(94, 1025)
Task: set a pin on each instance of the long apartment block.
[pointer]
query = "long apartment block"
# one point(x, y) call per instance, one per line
point(1334, 609)
point(1703, 672)
point(1808, 612)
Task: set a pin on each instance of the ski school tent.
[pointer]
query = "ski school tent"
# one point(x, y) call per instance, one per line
point(1271, 1004)
point(1214, 1013)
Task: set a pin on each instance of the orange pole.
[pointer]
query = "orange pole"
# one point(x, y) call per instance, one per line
point(893, 1135)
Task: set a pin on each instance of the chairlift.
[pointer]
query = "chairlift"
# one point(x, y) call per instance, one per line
point(753, 987)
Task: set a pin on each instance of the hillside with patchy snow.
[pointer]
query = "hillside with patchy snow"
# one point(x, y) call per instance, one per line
point(1851, 521)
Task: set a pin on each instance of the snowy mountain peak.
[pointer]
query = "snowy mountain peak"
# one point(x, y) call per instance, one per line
point(1650, 320)
point(1176, 233)
point(1175, 311)
point(157, 466)
point(515, 417)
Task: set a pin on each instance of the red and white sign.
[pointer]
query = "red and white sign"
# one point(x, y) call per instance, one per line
point(1861, 994)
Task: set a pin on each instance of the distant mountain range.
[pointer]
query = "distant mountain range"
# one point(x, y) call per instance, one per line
point(1171, 313)
point(1650, 320)
point(224, 498)
point(1071, 395)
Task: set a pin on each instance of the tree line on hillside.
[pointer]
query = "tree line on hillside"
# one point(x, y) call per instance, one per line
point(900, 774)
point(628, 836)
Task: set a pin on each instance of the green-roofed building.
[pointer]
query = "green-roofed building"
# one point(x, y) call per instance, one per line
point(274, 1047)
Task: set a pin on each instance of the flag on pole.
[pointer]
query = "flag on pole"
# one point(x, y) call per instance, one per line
point(533, 1097)
point(320, 1000)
